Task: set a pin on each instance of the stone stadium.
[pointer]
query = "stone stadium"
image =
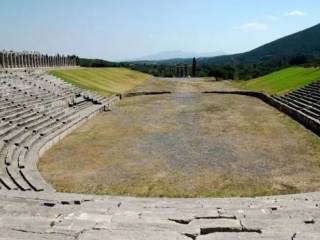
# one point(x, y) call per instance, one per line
point(39, 110)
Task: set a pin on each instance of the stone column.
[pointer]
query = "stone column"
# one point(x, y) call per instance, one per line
point(14, 60)
point(17, 60)
point(1, 60)
point(8, 60)
point(46, 61)
point(30, 59)
point(26, 57)
point(42, 60)
point(35, 56)
point(38, 60)
point(26, 62)
point(22, 60)
point(62, 60)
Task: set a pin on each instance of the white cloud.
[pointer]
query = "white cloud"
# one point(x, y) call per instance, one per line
point(296, 13)
point(272, 17)
point(253, 26)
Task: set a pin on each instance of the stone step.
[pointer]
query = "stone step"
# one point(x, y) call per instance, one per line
point(21, 157)
point(8, 154)
point(17, 114)
point(18, 180)
point(11, 110)
point(7, 130)
point(7, 183)
point(310, 113)
point(14, 134)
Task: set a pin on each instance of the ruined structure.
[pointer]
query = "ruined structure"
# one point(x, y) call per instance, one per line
point(12, 59)
point(181, 70)
point(37, 110)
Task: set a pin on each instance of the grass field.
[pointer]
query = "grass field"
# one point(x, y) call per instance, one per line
point(283, 81)
point(105, 81)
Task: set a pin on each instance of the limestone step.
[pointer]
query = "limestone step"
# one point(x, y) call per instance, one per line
point(7, 183)
point(7, 130)
point(17, 178)
point(10, 111)
point(17, 114)
point(14, 134)
point(21, 157)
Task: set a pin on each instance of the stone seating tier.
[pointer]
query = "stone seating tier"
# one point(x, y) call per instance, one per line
point(36, 110)
point(305, 100)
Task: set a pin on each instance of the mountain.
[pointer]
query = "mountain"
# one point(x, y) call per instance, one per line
point(301, 48)
point(168, 55)
point(304, 43)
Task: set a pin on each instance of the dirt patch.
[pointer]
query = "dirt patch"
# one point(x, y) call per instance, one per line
point(186, 144)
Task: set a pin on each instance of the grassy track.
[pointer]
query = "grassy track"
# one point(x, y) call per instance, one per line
point(190, 145)
point(105, 81)
point(283, 81)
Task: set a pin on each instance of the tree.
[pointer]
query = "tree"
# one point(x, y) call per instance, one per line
point(194, 67)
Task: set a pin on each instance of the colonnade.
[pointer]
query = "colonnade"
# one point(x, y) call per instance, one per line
point(12, 59)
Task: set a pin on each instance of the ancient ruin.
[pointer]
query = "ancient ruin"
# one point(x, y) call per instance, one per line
point(12, 59)
point(37, 110)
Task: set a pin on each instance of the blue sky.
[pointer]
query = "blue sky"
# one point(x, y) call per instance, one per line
point(125, 29)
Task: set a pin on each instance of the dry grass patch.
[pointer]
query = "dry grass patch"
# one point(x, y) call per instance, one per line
point(187, 145)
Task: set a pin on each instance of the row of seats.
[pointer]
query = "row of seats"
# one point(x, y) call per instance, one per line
point(305, 100)
point(36, 108)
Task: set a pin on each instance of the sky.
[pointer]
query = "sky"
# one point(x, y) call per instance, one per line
point(127, 29)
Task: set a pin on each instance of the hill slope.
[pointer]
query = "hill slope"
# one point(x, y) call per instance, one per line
point(175, 55)
point(302, 48)
point(283, 81)
point(105, 81)
point(305, 42)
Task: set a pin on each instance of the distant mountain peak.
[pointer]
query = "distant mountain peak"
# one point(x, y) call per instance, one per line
point(175, 54)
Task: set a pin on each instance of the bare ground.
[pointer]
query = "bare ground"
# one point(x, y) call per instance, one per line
point(186, 144)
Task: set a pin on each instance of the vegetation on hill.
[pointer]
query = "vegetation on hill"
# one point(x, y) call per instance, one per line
point(96, 63)
point(283, 81)
point(299, 49)
point(105, 81)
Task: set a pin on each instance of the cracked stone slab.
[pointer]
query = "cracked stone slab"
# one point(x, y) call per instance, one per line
point(131, 235)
